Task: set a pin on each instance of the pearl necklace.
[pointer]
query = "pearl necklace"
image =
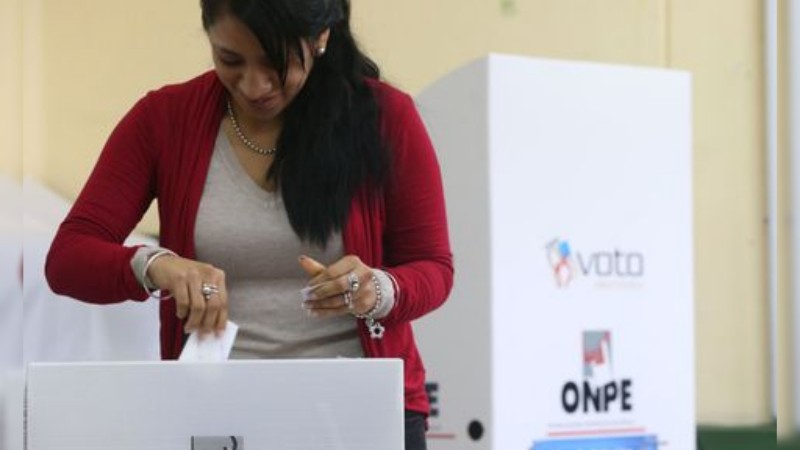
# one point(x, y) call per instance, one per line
point(250, 144)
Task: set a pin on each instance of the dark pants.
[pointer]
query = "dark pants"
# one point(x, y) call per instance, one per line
point(415, 431)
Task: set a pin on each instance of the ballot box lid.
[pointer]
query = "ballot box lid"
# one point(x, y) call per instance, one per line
point(268, 404)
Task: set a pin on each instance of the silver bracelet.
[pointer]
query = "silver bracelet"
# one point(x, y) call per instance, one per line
point(375, 328)
point(395, 285)
point(145, 278)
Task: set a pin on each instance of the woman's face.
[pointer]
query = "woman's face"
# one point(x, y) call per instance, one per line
point(243, 68)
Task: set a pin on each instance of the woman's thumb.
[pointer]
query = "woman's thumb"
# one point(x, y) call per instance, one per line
point(311, 266)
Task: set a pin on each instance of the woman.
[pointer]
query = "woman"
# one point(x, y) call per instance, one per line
point(288, 167)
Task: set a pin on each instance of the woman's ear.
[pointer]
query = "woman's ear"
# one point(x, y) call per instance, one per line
point(322, 42)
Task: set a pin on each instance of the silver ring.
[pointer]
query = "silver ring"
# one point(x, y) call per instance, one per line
point(352, 280)
point(208, 290)
point(348, 299)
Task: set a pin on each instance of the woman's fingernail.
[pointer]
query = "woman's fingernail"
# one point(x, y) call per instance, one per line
point(305, 293)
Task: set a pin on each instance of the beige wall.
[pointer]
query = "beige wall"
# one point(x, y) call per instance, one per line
point(415, 48)
point(93, 59)
point(11, 88)
point(721, 43)
point(90, 62)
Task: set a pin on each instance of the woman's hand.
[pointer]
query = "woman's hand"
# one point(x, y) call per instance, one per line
point(185, 278)
point(330, 287)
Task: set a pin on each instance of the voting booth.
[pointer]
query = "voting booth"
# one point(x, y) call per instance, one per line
point(569, 198)
point(11, 317)
point(62, 329)
point(36, 325)
point(334, 404)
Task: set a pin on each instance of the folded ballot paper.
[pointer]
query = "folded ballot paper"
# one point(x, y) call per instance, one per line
point(210, 347)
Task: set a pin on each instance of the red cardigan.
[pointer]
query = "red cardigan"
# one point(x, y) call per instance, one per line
point(162, 149)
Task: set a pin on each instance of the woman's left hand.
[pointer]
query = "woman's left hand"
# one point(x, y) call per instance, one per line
point(344, 287)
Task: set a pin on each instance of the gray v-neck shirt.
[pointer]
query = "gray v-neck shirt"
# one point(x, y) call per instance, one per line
point(244, 230)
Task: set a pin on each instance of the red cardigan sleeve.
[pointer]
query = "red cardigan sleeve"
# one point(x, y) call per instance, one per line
point(416, 242)
point(87, 259)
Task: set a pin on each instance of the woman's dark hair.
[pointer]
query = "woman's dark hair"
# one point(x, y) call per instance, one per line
point(330, 144)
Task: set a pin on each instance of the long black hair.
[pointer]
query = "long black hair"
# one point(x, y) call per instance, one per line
point(330, 144)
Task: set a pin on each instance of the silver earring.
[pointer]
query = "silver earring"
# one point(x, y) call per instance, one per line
point(320, 51)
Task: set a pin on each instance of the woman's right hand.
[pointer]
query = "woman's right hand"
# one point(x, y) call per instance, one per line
point(184, 279)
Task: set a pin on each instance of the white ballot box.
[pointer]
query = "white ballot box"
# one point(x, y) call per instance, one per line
point(569, 196)
point(336, 404)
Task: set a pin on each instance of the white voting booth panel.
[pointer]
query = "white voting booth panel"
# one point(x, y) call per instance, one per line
point(58, 328)
point(570, 325)
point(278, 405)
point(10, 273)
point(38, 325)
